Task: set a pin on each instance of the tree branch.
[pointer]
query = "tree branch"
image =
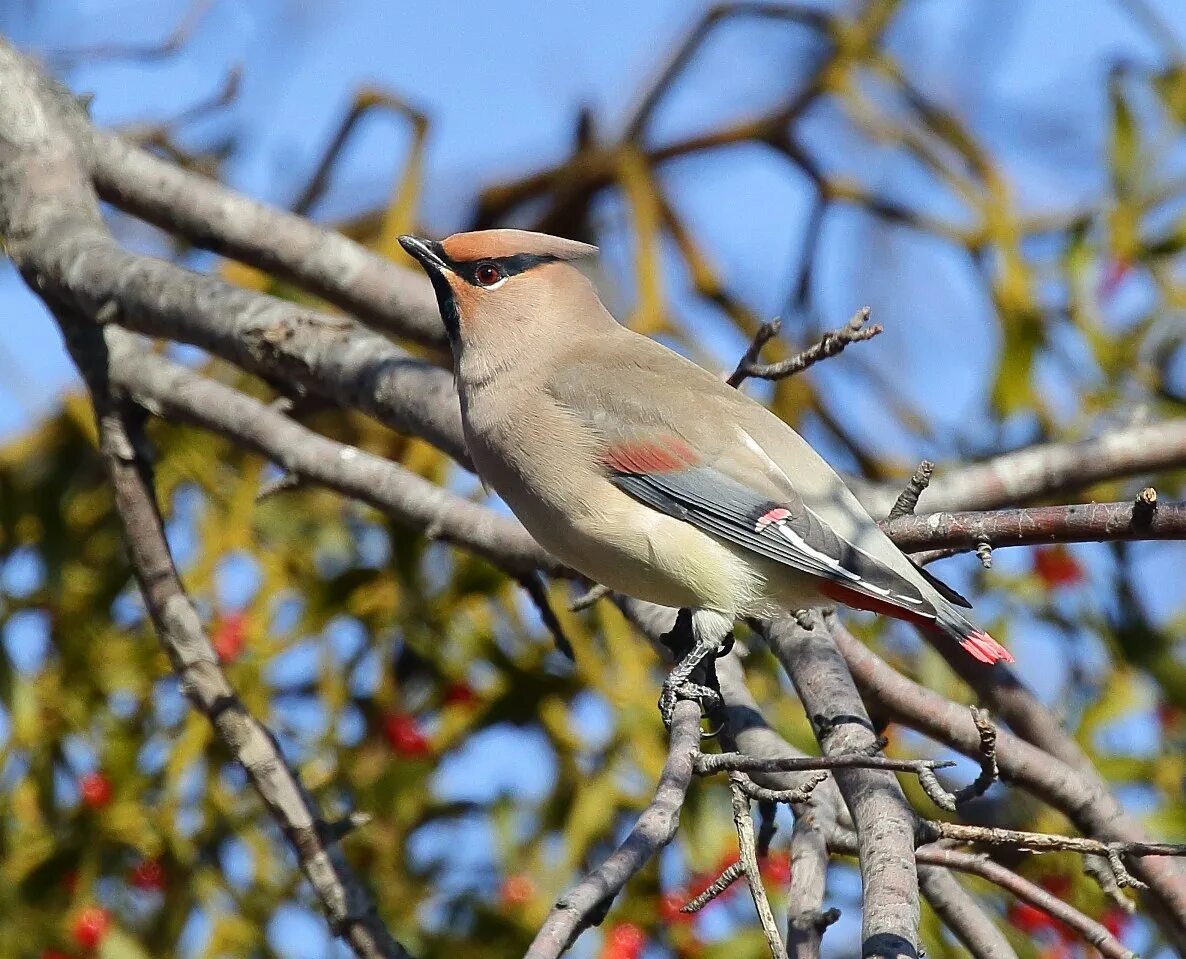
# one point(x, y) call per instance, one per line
point(588, 902)
point(883, 818)
point(1033, 525)
point(830, 344)
point(1080, 794)
point(345, 901)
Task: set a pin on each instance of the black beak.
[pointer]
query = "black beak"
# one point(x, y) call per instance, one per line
point(432, 257)
point(428, 252)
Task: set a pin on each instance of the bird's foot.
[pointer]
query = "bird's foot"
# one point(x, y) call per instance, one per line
point(701, 637)
point(673, 692)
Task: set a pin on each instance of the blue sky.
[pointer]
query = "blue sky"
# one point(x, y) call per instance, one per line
point(502, 85)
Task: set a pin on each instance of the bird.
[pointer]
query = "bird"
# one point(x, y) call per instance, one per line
point(646, 472)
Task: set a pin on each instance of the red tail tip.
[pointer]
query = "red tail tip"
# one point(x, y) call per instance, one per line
point(986, 649)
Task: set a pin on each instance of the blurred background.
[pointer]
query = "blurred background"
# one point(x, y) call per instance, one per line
point(1003, 182)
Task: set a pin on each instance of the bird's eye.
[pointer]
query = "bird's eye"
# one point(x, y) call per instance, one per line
point(487, 274)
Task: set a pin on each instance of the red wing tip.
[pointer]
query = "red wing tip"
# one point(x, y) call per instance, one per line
point(986, 649)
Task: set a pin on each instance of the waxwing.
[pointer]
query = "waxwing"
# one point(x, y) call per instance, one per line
point(644, 471)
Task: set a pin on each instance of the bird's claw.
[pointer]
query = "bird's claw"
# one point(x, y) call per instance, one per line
point(675, 690)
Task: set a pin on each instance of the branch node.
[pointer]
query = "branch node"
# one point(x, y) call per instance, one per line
point(907, 500)
point(984, 554)
point(1124, 879)
point(1144, 506)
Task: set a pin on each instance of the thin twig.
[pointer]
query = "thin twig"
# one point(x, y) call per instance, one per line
point(979, 864)
point(1038, 842)
point(830, 344)
point(800, 794)
point(589, 598)
point(535, 587)
point(749, 864)
point(729, 875)
point(988, 769)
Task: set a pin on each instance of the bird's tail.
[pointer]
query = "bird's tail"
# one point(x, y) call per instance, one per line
point(974, 640)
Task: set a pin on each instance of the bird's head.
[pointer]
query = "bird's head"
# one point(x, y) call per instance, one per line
point(496, 285)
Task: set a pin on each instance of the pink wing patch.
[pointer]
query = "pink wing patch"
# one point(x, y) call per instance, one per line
point(666, 454)
point(776, 515)
point(986, 649)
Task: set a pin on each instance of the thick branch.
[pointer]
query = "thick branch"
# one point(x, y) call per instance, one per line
point(179, 394)
point(50, 220)
point(1046, 469)
point(1029, 526)
point(395, 300)
point(884, 822)
point(806, 917)
point(962, 914)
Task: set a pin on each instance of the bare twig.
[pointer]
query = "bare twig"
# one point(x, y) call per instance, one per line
point(589, 598)
point(365, 102)
point(729, 875)
point(535, 587)
point(800, 794)
point(1046, 842)
point(828, 345)
point(144, 52)
point(749, 864)
point(587, 903)
point(978, 864)
point(907, 500)
point(1078, 793)
point(988, 769)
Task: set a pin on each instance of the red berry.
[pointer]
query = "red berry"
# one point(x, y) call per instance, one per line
point(91, 926)
point(670, 907)
point(1057, 883)
point(517, 890)
point(1116, 921)
point(1029, 919)
point(148, 874)
point(459, 694)
point(1055, 566)
point(625, 941)
point(777, 867)
point(1168, 716)
point(403, 733)
point(1114, 274)
point(230, 636)
point(95, 789)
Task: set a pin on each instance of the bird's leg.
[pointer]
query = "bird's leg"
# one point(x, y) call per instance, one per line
point(697, 638)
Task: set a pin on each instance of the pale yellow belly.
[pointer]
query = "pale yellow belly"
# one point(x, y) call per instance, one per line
point(645, 554)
